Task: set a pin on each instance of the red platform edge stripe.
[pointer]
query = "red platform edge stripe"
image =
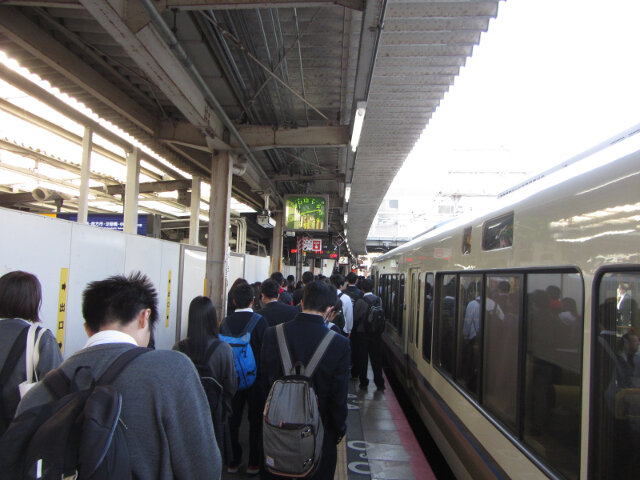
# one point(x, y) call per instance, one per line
point(419, 464)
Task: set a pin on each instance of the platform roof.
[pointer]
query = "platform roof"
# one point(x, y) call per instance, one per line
point(276, 82)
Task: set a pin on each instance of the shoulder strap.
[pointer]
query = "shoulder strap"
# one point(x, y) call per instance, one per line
point(310, 369)
point(11, 362)
point(14, 355)
point(212, 348)
point(285, 356)
point(251, 324)
point(340, 294)
point(119, 363)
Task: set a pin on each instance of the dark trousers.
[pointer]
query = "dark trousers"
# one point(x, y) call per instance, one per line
point(365, 346)
point(252, 397)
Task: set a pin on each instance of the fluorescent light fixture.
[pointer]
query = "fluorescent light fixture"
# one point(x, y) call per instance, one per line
point(346, 216)
point(347, 192)
point(357, 124)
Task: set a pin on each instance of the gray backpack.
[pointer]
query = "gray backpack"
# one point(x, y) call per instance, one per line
point(292, 428)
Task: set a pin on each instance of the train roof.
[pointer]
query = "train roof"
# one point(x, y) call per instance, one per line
point(593, 163)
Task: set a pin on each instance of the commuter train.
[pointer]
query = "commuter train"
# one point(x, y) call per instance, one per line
point(513, 332)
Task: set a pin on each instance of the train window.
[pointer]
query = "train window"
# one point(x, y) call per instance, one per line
point(444, 346)
point(498, 232)
point(417, 311)
point(400, 304)
point(466, 241)
point(427, 317)
point(553, 369)
point(615, 404)
point(500, 346)
point(469, 332)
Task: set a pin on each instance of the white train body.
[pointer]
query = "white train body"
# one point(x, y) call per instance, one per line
point(556, 406)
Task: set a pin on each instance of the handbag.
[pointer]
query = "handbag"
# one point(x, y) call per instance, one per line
point(32, 357)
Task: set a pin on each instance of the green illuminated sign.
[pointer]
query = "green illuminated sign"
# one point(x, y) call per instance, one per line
point(306, 212)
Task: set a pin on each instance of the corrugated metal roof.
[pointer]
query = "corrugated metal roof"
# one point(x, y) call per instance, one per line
point(398, 56)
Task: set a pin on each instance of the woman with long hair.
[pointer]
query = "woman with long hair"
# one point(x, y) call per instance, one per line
point(20, 301)
point(214, 359)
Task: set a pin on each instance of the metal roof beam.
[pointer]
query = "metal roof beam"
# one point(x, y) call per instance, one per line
point(247, 4)
point(264, 138)
point(258, 137)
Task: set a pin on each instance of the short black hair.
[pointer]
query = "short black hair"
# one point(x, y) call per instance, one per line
point(352, 278)
point(307, 277)
point(317, 296)
point(270, 288)
point(20, 296)
point(367, 285)
point(119, 299)
point(278, 277)
point(242, 295)
point(337, 280)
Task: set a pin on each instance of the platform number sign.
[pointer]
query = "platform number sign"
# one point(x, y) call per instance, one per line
point(62, 307)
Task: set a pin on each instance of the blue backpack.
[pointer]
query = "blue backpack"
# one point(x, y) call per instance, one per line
point(246, 367)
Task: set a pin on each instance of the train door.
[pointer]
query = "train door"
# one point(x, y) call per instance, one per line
point(413, 313)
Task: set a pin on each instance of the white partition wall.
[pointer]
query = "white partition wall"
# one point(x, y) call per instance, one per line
point(45, 246)
point(256, 269)
point(38, 245)
point(193, 262)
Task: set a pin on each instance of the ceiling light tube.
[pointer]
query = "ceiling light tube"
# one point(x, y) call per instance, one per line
point(357, 125)
point(347, 192)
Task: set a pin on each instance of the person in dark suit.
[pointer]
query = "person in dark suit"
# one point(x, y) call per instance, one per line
point(625, 306)
point(354, 292)
point(331, 379)
point(274, 311)
point(285, 297)
point(253, 396)
point(297, 293)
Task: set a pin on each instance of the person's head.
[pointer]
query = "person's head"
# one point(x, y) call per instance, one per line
point(243, 295)
point(270, 290)
point(203, 320)
point(367, 285)
point(337, 280)
point(128, 304)
point(307, 277)
point(20, 296)
point(352, 278)
point(623, 288)
point(278, 277)
point(318, 298)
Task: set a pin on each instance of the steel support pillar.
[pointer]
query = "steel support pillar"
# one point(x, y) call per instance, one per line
point(132, 189)
point(85, 170)
point(194, 219)
point(218, 241)
point(276, 244)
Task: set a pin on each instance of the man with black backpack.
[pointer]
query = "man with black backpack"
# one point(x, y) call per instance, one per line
point(244, 330)
point(368, 319)
point(143, 413)
point(328, 375)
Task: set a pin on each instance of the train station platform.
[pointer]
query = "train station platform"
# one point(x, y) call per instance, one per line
point(379, 445)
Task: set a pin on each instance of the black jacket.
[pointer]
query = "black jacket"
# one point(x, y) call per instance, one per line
point(331, 379)
point(278, 312)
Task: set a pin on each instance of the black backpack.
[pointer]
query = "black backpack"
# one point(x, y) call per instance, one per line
point(79, 432)
point(211, 386)
point(17, 349)
point(375, 321)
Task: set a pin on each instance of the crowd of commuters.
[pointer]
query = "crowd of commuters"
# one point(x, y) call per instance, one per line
point(167, 439)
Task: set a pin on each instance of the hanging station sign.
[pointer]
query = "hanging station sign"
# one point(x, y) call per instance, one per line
point(306, 213)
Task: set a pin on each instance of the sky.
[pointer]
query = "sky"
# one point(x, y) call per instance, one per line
point(549, 79)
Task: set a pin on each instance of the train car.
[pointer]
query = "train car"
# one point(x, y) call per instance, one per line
point(514, 332)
